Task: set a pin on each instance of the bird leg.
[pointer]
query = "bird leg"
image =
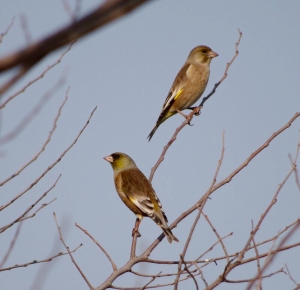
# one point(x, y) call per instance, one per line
point(136, 227)
point(185, 116)
point(196, 110)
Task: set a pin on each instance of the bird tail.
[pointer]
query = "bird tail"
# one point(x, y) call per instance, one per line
point(152, 132)
point(169, 234)
point(163, 117)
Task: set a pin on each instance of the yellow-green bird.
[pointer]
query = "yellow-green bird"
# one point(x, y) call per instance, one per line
point(137, 193)
point(188, 85)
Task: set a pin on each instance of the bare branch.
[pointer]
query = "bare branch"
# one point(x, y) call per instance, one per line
point(256, 152)
point(201, 275)
point(34, 262)
point(295, 165)
point(259, 278)
point(153, 278)
point(31, 115)
point(199, 213)
point(98, 244)
point(284, 240)
point(270, 253)
point(73, 13)
point(10, 82)
point(274, 199)
point(32, 54)
point(25, 28)
point(40, 208)
point(135, 236)
point(50, 166)
point(186, 268)
point(290, 276)
point(218, 236)
point(7, 30)
point(37, 78)
point(249, 280)
point(21, 217)
point(70, 254)
point(44, 145)
point(225, 73)
point(197, 260)
point(11, 246)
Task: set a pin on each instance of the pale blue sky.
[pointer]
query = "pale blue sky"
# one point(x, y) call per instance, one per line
point(126, 69)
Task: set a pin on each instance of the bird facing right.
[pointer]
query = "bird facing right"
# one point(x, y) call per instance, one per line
point(188, 85)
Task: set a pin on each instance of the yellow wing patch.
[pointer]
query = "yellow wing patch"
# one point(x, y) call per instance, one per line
point(178, 94)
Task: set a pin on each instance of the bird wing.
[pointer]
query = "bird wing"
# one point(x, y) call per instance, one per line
point(176, 88)
point(140, 192)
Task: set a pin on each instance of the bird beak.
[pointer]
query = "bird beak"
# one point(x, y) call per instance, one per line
point(109, 159)
point(212, 54)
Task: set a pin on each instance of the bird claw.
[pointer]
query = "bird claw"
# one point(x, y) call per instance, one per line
point(196, 110)
point(135, 231)
point(189, 123)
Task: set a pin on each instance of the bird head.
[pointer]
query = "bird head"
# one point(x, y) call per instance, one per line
point(120, 161)
point(202, 55)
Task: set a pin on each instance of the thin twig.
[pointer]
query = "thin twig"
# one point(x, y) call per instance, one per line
point(186, 268)
point(22, 216)
point(218, 236)
point(40, 208)
point(50, 166)
point(201, 275)
point(73, 13)
point(284, 240)
point(34, 158)
point(105, 13)
point(200, 211)
point(23, 89)
point(70, 254)
point(273, 201)
point(11, 246)
point(25, 28)
point(226, 71)
point(98, 244)
point(32, 114)
point(10, 82)
point(249, 280)
point(295, 165)
point(7, 29)
point(256, 152)
point(153, 278)
point(197, 260)
point(291, 278)
point(34, 262)
point(257, 260)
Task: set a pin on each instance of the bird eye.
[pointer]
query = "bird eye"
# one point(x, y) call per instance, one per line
point(204, 50)
point(116, 156)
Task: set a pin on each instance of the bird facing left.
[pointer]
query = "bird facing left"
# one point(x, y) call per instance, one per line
point(137, 193)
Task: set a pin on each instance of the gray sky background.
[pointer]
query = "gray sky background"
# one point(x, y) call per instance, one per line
point(126, 69)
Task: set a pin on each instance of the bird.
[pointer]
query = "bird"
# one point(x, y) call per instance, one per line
point(188, 85)
point(137, 193)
